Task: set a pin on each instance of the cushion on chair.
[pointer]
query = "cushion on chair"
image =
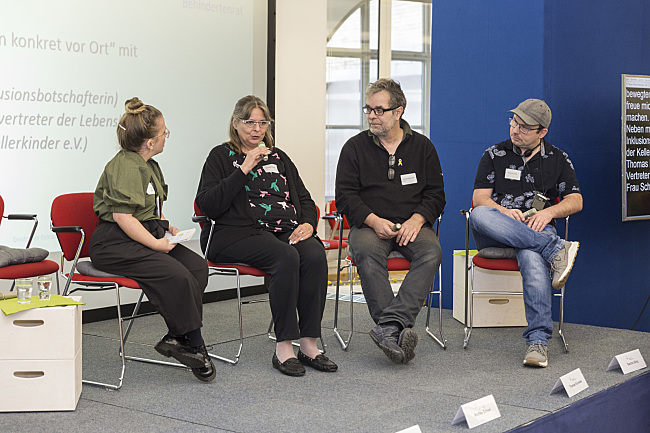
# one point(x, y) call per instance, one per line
point(17, 256)
point(86, 268)
point(333, 244)
point(396, 261)
point(496, 264)
point(28, 270)
point(498, 253)
point(242, 268)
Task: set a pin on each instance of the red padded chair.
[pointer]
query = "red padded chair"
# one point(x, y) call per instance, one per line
point(73, 222)
point(26, 270)
point(236, 270)
point(233, 270)
point(331, 244)
point(395, 262)
point(509, 265)
point(334, 220)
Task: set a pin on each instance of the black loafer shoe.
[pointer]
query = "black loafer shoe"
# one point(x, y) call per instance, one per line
point(207, 373)
point(320, 363)
point(177, 348)
point(290, 367)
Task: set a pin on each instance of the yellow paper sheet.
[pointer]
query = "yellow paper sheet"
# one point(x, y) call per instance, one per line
point(11, 306)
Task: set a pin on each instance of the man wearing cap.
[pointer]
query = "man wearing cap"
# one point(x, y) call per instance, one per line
point(515, 191)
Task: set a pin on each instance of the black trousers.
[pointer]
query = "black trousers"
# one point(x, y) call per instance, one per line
point(298, 279)
point(174, 282)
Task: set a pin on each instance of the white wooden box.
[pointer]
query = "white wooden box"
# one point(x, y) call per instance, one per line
point(40, 384)
point(40, 360)
point(41, 333)
point(489, 310)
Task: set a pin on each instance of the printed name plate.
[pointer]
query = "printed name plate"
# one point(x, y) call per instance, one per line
point(477, 412)
point(413, 429)
point(572, 383)
point(628, 362)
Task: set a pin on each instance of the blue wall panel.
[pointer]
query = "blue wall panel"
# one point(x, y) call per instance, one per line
point(489, 56)
point(485, 60)
point(588, 45)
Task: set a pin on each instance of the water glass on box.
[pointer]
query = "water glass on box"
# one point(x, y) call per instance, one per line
point(44, 284)
point(24, 290)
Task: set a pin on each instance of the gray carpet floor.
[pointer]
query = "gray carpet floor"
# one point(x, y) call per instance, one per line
point(367, 394)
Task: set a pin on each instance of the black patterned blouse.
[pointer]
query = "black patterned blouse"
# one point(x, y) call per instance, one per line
point(268, 194)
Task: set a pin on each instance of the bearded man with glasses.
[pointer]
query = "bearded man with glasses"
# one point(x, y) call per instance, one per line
point(516, 200)
point(389, 186)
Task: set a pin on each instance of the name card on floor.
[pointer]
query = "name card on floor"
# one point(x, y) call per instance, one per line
point(572, 383)
point(414, 429)
point(628, 362)
point(477, 412)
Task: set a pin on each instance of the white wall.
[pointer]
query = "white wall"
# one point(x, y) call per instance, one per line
point(300, 90)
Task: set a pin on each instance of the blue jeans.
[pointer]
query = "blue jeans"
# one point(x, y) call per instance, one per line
point(370, 254)
point(535, 251)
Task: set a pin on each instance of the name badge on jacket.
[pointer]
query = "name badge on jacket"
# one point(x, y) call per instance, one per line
point(513, 174)
point(408, 179)
point(270, 168)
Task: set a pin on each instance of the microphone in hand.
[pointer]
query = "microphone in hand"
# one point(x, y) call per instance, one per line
point(530, 212)
point(266, 157)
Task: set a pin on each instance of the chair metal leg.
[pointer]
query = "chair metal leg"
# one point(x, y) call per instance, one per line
point(468, 330)
point(344, 343)
point(441, 341)
point(241, 328)
point(122, 357)
point(130, 319)
point(469, 300)
point(269, 333)
point(560, 331)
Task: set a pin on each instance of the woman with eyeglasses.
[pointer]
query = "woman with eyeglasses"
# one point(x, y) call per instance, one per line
point(130, 238)
point(265, 217)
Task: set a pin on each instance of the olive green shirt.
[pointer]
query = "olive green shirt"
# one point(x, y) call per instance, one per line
point(130, 185)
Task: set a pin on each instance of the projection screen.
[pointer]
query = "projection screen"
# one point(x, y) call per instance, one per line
point(68, 66)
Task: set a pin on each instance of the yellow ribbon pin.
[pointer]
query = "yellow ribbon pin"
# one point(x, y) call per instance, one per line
point(399, 162)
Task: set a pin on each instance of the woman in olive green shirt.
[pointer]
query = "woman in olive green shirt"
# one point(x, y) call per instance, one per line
point(130, 240)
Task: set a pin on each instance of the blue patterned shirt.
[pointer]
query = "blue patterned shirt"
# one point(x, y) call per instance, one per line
point(549, 171)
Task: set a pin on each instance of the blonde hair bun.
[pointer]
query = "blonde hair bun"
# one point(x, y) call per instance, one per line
point(134, 106)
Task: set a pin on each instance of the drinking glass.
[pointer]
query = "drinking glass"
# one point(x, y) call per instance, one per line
point(44, 284)
point(24, 290)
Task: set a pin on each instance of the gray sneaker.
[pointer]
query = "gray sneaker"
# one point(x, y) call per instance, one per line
point(536, 355)
point(385, 337)
point(563, 262)
point(408, 339)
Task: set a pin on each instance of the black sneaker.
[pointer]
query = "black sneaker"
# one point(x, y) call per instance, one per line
point(385, 337)
point(177, 348)
point(206, 373)
point(408, 339)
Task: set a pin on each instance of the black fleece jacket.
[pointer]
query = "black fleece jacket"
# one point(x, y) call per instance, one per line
point(221, 196)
